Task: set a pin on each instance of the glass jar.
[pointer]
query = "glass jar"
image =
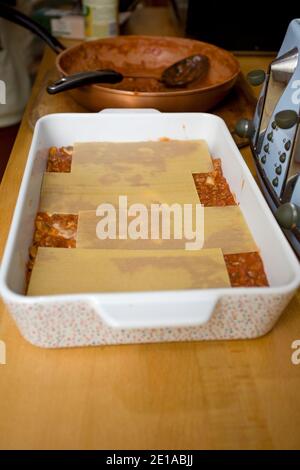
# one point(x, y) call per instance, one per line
point(101, 18)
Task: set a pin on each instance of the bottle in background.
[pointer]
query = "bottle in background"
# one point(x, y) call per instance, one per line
point(101, 18)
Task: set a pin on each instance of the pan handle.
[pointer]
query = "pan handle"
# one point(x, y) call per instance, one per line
point(15, 16)
point(84, 78)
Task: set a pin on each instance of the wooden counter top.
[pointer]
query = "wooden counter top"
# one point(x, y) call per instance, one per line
point(204, 395)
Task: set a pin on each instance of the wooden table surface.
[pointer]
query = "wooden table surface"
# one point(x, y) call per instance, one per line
point(204, 395)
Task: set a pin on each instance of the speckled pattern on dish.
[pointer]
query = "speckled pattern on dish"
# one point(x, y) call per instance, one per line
point(57, 324)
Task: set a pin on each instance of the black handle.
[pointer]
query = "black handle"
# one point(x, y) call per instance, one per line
point(15, 16)
point(84, 78)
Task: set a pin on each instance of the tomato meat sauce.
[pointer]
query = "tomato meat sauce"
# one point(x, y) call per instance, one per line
point(52, 230)
point(59, 160)
point(213, 188)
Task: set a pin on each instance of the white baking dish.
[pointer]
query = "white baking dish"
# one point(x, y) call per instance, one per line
point(91, 319)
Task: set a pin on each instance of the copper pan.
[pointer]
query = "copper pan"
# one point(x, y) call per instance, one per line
point(139, 55)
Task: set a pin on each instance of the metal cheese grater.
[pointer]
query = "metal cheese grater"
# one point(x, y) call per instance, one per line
point(274, 134)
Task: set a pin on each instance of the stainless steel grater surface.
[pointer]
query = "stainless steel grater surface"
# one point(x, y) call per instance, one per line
point(274, 134)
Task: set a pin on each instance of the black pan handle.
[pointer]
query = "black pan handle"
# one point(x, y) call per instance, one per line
point(15, 16)
point(84, 78)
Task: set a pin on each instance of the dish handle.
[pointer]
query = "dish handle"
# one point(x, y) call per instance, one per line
point(154, 313)
point(129, 110)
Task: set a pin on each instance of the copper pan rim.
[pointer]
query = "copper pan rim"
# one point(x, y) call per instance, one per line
point(170, 94)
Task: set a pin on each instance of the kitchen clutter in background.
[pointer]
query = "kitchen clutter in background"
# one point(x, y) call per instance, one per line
point(61, 18)
point(83, 19)
point(77, 19)
point(16, 59)
point(92, 19)
point(101, 18)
